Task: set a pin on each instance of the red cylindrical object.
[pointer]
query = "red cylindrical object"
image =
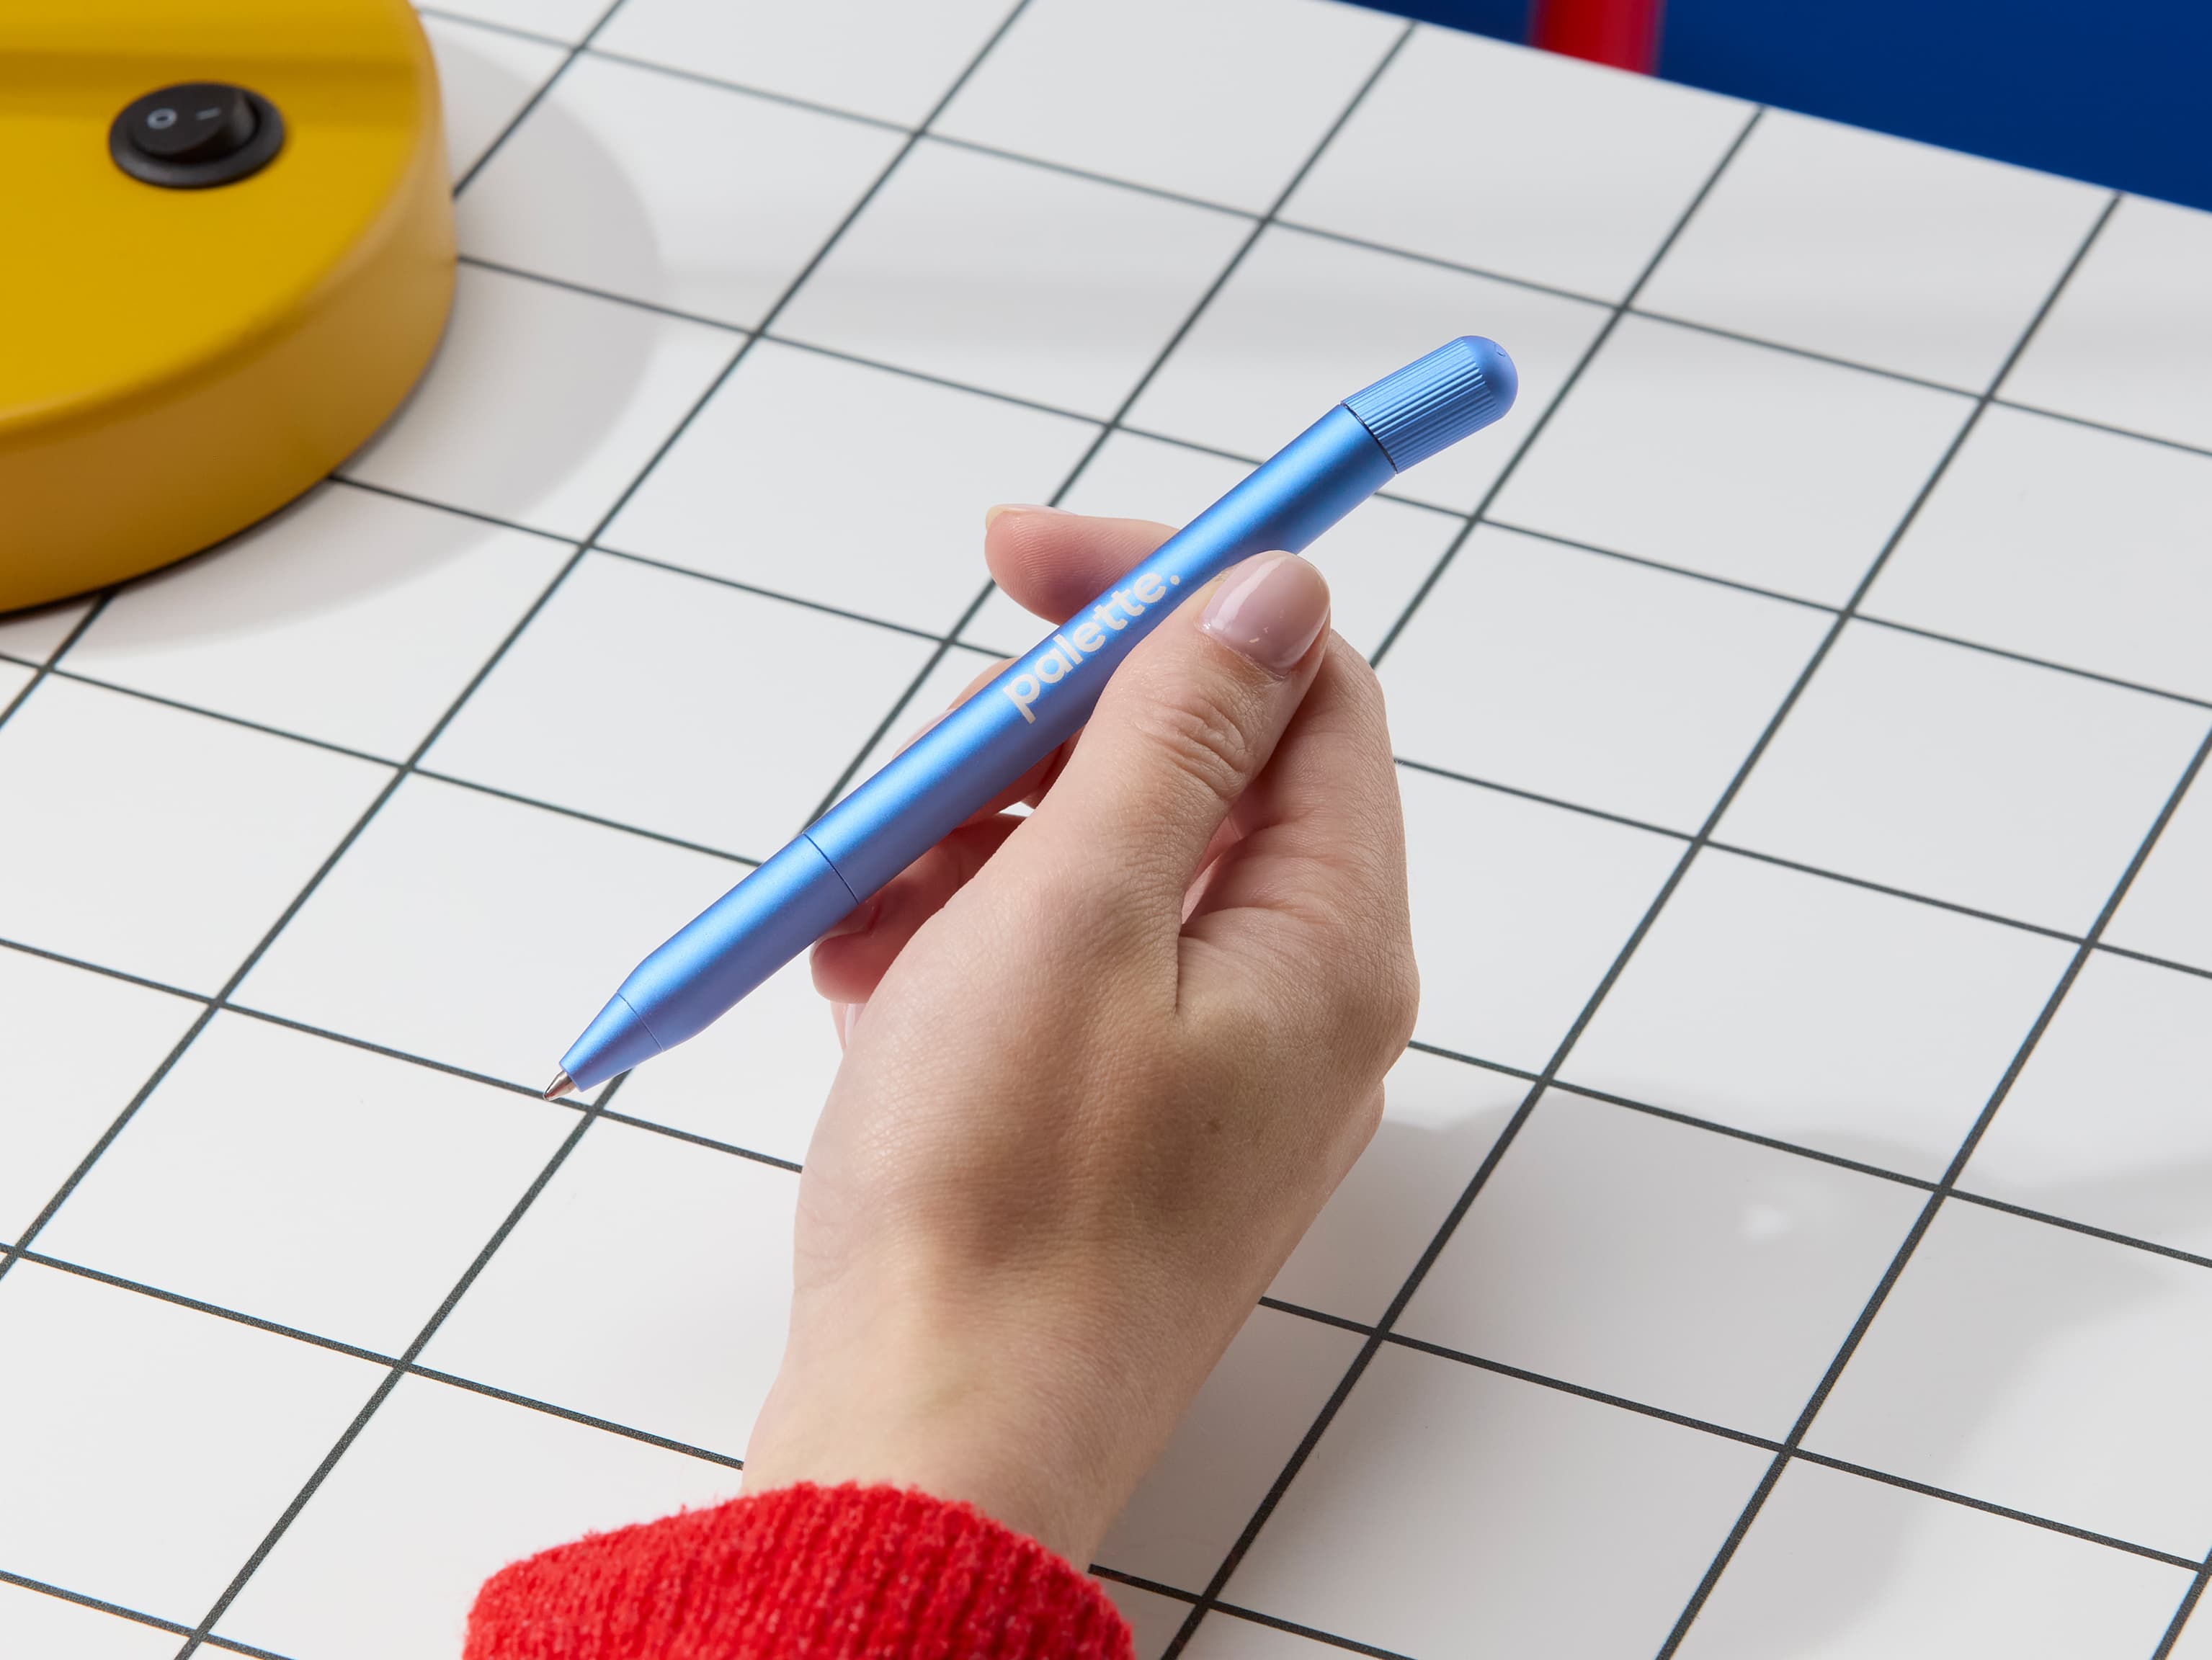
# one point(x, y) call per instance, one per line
point(1622, 33)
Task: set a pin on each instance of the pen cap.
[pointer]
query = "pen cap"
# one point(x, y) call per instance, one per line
point(1434, 401)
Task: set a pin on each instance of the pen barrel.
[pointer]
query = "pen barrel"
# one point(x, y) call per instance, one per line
point(1044, 696)
point(975, 752)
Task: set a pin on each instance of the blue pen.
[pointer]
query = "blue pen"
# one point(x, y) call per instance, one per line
point(958, 766)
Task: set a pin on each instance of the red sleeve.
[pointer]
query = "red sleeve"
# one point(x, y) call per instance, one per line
point(800, 1573)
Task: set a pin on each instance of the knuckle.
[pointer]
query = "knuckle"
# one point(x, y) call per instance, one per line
point(1201, 739)
point(1382, 1000)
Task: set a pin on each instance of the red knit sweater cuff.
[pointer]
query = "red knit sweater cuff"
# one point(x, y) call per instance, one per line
point(800, 1573)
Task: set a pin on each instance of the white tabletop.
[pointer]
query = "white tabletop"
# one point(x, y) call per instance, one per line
point(1791, 1235)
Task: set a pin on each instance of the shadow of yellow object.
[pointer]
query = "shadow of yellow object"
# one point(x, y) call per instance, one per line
point(175, 364)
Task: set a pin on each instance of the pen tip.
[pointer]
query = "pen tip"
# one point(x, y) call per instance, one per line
point(561, 1085)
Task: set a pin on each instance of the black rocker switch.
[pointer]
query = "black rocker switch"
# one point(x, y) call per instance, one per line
point(202, 132)
point(200, 122)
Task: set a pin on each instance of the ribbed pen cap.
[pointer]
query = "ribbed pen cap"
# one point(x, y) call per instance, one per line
point(1434, 401)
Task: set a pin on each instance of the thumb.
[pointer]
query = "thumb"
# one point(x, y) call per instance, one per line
point(1183, 728)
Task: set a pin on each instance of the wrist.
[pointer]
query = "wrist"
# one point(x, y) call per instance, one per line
point(936, 1426)
point(1006, 1411)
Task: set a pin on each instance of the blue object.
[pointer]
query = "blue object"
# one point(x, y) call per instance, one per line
point(2096, 89)
point(2111, 92)
point(961, 763)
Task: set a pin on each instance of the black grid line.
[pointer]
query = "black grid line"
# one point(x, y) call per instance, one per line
point(1872, 886)
point(24, 1582)
point(1691, 326)
point(493, 27)
point(582, 548)
point(1967, 1501)
point(1558, 1085)
point(1175, 1593)
point(1520, 1117)
point(14, 1251)
point(376, 1357)
point(232, 1646)
point(2190, 1599)
point(458, 780)
point(53, 667)
point(1972, 1139)
point(537, 97)
point(1536, 428)
point(383, 1391)
point(2137, 433)
point(1439, 261)
point(1372, 1346)
point(948, 639)
point(41, 670)
point(953, 635)
point(1644, 1409)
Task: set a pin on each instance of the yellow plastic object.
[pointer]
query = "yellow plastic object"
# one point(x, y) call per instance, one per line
point(175, 364)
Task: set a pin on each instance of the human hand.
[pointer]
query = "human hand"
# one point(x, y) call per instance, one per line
point(1104, 1064)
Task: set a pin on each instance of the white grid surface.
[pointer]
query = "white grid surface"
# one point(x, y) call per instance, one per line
point(1798, 700)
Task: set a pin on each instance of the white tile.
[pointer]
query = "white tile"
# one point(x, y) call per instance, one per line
point(2043, 1369)
point(755, 1079)
point(2064, 543)
point(158, 842)
point(1735, 460)
point(1839, 1567)
point(1518, 162)
point(667, 190)
point(1222, 1636)
point(943, 686)
point(2168, 910)
point(1153, 1619)
point(36, 1624)
point(1440, 1118)
point(1305, 321)
point(1014, 278)
point(678, 727)
point(1818, 1013)
point(1968, 777)
point(1450, 1511)
point(672, 1322)
point(1222, 99)
point(2111, 1121)
point(1519, 910)
point(301, 1180)
point(1376, 559)
point(1000, 627)
point(86, 1044)
point(556, 19)
point(1134, 476)
point(479, 931)
point(1876, 250)
point(484, 78)
point(33, 636)
point(351, 616)
point(146, 1449)
point(893, 59)
point(543, 405)
point(1662, 1263)
point(443, 1488)
point(1592, 679)
point(1232, 1442)
point(2129, 342)
point(887, 520)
